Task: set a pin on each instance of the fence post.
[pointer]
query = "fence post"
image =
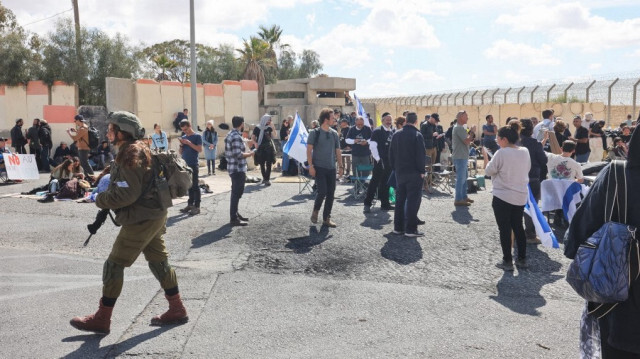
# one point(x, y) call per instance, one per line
point(440, 102)
point(609, 101)
point(533, 91)
point(549, 91)
point(452, 94)
point(505, 95)
point(472, 96)
point(493, 96)
point(482, 96)
point(589, 89)
point(463, 96)
point(635, 90)
point(566, 91)
point(519, 92)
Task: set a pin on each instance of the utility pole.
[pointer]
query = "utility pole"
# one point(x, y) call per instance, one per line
point(194, 93)
point(76, 19)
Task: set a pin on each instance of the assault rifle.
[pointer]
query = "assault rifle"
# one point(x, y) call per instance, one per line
point(101, 217)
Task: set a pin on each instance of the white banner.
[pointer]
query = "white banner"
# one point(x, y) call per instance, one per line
point(21, 167)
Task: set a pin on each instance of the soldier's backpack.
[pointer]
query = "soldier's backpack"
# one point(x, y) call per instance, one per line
point(171, 177)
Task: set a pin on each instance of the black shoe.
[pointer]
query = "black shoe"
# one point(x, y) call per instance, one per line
point(421, 222)
point(388, 208)
point(522, 263)
point(367, 209)
point(506, 266)
point(396, 232)
point(238, 222)
point(267, 183)
point(240, 217)
point(47, 199)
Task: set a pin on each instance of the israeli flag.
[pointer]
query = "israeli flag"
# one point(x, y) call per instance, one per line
point(361, 111)
point(543, 230)
point(296, 146)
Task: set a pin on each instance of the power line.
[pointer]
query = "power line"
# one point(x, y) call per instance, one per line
point(47, 18)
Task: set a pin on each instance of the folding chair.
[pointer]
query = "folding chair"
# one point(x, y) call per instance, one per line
point(428, 174)
point(304, 179)
point(360, 181)
point(444, 180)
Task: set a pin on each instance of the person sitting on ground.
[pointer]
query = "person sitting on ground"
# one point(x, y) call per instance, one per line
point(104, 155)
point(509, 171)
point(618, 151)
point(159, 140)
point(62, 153)
point(59, 175)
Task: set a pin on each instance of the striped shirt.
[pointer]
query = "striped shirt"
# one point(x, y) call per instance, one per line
point(233, 151)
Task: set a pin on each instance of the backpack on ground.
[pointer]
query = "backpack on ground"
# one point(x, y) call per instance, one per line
point(171, 177)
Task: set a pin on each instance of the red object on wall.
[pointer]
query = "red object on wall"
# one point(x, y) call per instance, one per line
point(59, 114)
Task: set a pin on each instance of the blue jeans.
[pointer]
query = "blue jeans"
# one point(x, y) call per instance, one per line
point(285, 162)
point(583, 158)
point(462, 169)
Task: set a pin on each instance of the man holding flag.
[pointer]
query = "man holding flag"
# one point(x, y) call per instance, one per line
point(296, 146)
point(323, 152)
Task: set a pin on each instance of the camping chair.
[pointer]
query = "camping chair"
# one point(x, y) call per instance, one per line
point(428, 174)
point(360, 181)
point(444, 180)
point(304, 179)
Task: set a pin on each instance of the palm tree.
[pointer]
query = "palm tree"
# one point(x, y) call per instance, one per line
point(272, 36)
point(165, 64)
point(255, 55)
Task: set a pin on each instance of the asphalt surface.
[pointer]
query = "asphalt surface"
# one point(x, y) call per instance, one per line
point(283, 288)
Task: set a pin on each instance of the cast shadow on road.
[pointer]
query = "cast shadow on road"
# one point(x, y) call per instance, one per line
point(461, 215)
point(401, 249)
point(292, 201)
point(90, 347)
point(521, 294)
point(177, 218)
point(208, 238)
point(376, 219)
point(302, 245)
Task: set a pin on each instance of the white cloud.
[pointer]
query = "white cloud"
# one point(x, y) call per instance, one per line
point(505, 49)
point(421, 76)
point(635, 53)
point(512, 76)
point(311, 19)
point(595, 66)
point(390, 75)
point(572, 25)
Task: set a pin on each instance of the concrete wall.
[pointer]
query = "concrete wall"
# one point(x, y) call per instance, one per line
point(64, 95)
point(232, 93)
point(172, 103)
point(186, 93)
point(37, 97)
point(214, 103)
point(250, 104)
point(120, 94)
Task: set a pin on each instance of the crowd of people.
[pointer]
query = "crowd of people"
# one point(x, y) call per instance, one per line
point(399, 153)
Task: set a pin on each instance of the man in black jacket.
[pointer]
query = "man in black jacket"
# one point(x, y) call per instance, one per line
point(406, 156)
point(44, 134)
point(538, 162)
point(34, 141)
point(379, 145)
point(18, 140)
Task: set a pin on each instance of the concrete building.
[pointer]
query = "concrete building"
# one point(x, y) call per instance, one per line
point(307, 97)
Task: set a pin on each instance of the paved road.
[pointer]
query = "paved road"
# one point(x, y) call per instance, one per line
point(283, 288)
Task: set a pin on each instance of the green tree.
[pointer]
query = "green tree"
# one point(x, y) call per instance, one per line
point(103, 57)
point(165, 64)
point(176, 50)
point(309, 64)
point(218, 64)
point(271, 35)
point(288, 67)
point(255, 57)
point(19, 61)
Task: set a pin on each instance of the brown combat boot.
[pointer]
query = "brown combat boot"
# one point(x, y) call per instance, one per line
point(314, 217)
point(100, 322)
point(177, 314)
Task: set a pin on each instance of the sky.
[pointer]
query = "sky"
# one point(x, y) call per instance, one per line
point(392, 47)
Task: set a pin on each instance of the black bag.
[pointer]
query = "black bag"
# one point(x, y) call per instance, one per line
point(94, 138)
point(222, 164)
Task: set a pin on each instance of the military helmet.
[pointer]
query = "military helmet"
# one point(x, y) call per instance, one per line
point(127, 122)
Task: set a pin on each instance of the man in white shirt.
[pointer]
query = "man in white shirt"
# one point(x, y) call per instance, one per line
point(546, 124)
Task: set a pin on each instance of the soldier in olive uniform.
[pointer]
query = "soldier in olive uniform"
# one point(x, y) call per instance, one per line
point(143, 222)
